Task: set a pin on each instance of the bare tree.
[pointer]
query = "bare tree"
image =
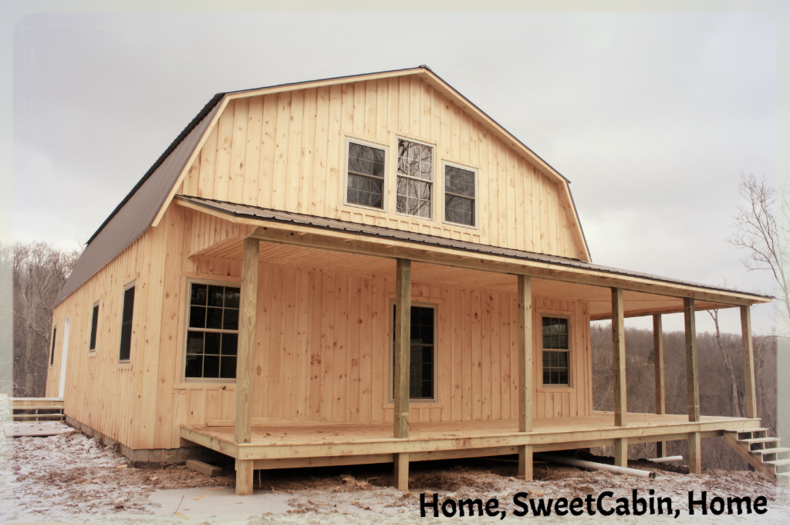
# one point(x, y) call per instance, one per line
point(757, 231)
point(39, 272)
point(735, 397)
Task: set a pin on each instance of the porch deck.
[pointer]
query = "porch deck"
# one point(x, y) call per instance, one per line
point(293, 445)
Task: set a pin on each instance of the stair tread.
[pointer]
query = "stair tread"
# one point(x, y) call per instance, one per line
point(758, 440)
point(756, 429)
point(777, 462)
point(770, 450)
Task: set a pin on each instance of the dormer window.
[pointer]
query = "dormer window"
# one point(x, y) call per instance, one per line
point(415, 179)
point(366, 175)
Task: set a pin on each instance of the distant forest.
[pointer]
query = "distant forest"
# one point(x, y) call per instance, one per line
point(40, 270)
point(717, 396)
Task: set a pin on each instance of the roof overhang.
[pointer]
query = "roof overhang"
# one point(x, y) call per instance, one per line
point(645, 294)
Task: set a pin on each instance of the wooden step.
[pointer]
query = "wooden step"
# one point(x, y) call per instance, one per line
point(756, 429)
point(757, 440)
point(17, 417)
point(778, 462)
point(764, 451)
point(57, 407)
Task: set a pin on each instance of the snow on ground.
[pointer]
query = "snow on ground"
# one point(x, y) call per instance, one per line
point(71, 478)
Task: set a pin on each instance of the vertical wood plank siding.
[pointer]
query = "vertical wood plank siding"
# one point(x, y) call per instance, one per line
point(286, 151)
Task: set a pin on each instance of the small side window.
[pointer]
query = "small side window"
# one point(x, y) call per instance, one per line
point(126, 325)
point(52, 350)
point(94, 327)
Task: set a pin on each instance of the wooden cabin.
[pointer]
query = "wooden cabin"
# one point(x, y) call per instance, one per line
point(358, 270)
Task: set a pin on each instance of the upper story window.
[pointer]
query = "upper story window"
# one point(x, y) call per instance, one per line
point(126, 325)
point(365, 176)
point(460, 191)
point(213, 333)
point(94, 327)
point(415, 179)
point(556, 352)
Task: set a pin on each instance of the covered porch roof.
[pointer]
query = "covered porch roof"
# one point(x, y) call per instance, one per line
point(308, 241)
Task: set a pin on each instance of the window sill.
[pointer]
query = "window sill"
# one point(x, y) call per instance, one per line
point(124, 365)
point(428, 403)
point(199, 383)
point(92, 353)
point(559, 388)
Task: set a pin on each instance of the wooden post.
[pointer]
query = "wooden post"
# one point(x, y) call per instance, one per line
point(695, 453)
point(402, 472)
point(402, 347)
point(618, 359)
point(525, 353)
point(525, 373)
point(621, 452)
point(244, 361)
point(525, 462)
point(658, 361)
point(692, 375)
point(748, 362)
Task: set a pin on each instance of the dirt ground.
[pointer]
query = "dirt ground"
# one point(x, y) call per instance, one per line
point(70, 474)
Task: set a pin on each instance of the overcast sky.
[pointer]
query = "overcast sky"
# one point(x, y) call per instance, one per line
point(653, 117)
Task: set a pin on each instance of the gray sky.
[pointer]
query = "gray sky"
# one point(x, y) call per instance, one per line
point(652, 117)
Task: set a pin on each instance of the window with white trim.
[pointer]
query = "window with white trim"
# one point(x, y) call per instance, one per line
point(212, 331)
point(365, 175)
point(556, 351)
point(415, 179)
point(459, 195)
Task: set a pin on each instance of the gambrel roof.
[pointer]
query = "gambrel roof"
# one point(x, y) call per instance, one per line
point(145, 205)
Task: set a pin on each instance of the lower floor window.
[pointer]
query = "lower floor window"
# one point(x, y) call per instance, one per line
point(422, 354)
point(556, 353)
point(213, 332)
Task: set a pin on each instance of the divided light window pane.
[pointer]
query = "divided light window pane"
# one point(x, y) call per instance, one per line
point(212, 337)
point(126, 325)
point(415, 179)
point(556, 365)
point(365, 176)
point(459, 195)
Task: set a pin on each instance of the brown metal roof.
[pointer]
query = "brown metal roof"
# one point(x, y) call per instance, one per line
point(137, 211)
point(253, 212)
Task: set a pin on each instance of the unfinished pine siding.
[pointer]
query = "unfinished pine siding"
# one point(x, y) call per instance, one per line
point(101, 392)
point(323, 343)
point(287, 151)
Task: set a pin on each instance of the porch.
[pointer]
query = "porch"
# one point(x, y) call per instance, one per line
point(260, 238)
point(314, 444)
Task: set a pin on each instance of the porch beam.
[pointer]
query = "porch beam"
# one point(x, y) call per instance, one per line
point(402, 347)
point(658, 361)
point(525, 371)
point(618, 359)
point(692, 374)
point(244, 363)
point(748, 362)
point(307, 236)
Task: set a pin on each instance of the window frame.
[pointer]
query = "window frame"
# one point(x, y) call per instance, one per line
point(126, 287)
point(476, 172)
point(385, 182)
point(433, 182)
point(556, 315)
point(187, 312)
point(391, 354)
point(94, 336)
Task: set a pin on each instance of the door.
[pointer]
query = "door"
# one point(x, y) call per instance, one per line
point(63, 359)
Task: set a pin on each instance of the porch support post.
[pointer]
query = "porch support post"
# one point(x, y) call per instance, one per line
point(748, 362)
point(621, 452)
point(402, 472)
point(244, 363)
point(692, 375)
point(402, 350)
point(402, 347)
point(618, 359)
point(658, 361)
point(525, 373)
point(692, 380)
point(525, 353)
